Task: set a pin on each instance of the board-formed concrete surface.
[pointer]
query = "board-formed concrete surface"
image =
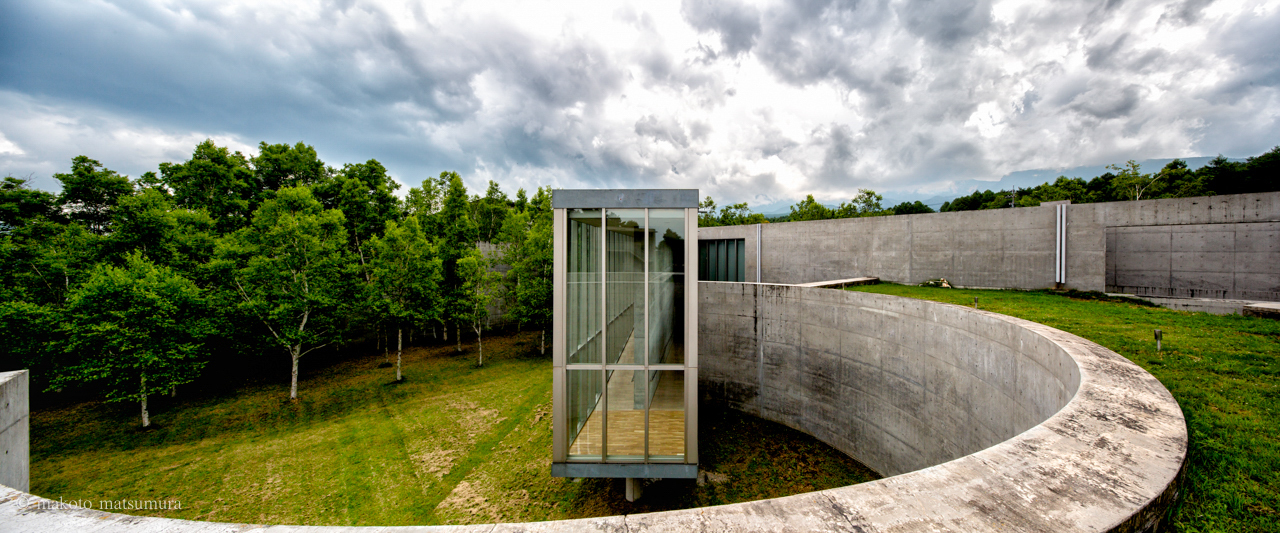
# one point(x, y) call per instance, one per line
point(14, 429)
point(992, 424)
point(1225, 246)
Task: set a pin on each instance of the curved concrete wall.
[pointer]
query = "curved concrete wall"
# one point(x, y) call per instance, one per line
point(998, 423)
point(899, 384)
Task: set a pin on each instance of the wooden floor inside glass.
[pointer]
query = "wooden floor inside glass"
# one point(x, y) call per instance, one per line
point(626, 423)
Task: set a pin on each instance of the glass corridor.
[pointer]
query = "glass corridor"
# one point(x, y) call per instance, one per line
point(624, 334)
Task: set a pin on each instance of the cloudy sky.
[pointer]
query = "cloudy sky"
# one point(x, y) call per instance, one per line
point(759, 102)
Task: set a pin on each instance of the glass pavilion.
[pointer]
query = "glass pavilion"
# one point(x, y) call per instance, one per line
point(625, 347)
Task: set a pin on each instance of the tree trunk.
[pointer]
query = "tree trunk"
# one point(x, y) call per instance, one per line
point(173, 391)
point(445, 328)
point(479, 344)
point(542, 347)
point(410, 336)
point(295, 352)
point(146, 419)
point(399, 347)
point(457, 332)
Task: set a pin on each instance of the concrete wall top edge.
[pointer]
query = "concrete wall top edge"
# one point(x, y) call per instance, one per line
point(1115, 447)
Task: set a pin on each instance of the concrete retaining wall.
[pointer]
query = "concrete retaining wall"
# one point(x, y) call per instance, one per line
point(14, 429)
point(899, 384)
point(998, 423)
point(1218, 246)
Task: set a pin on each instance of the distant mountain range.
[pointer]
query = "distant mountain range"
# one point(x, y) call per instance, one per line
point(1021, 178)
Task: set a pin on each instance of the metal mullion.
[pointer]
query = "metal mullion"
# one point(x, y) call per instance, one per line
point(645, 283)
point(604, 336)
point(691, 339)
point(667, 366)
point(559, 348)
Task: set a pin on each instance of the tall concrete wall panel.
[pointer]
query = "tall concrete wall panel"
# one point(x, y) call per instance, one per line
point(14, 430)
point(1239, 260)
point(1218, 247)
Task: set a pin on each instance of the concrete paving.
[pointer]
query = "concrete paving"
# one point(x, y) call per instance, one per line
point(1263, 309)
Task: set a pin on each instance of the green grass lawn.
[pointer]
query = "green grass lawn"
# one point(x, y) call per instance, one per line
point(452, 443)
point(1221, 369)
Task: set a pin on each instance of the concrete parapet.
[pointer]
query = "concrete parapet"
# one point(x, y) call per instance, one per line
point(985, 423)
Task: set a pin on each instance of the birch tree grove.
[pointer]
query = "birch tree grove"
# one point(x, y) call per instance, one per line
point(480, 287)
point(287, 267)
point(405, 279)
point(135, 331)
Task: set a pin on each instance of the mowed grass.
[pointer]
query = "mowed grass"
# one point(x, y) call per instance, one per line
point(452, 443)
point(1221, 369)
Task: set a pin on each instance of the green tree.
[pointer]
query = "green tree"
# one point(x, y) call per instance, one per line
point(90, 192)
point(49, 259)
point(287, 268)
point(427, 201)
point(528, 241)
point(216, 180)
point(19, 203)
point(480, 288)
point(457, 236)
point(366, 196)
point(279, 166)
point(809, 209)
point(405, 280)
point(707, 213)
point(910, 208)
point(29, 338)
point(1130, 183)
point(490, 213)
point(865, 204)
point(136, 331)
point(149, 223)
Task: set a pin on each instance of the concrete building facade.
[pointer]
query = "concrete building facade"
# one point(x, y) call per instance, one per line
point(1222, 247)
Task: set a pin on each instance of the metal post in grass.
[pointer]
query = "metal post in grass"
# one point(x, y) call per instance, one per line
point(1159, 337)
point(975, 302)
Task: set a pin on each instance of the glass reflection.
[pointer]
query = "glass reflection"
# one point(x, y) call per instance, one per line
point(666, 243)
point(583, 287)
point(585, 420)
point(666, 414)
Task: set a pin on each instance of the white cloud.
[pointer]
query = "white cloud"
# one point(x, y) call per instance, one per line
point(761, 102)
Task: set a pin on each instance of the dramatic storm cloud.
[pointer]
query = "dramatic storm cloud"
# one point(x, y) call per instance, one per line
point(759, 102)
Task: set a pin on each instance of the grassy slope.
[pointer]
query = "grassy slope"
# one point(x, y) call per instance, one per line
point(451, 444)
point(1221, 369)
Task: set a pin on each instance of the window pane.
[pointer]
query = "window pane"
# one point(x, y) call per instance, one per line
point(626, 414)
point(666, 236)
point(583, 286)
point(584, 389)
point(666, 414)
point(624, 298)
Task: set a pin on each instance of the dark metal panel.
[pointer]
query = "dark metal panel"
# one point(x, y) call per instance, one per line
point(638, 470)
point(623, 198)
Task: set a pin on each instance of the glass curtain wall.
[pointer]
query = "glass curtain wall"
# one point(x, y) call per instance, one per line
point(625, 360)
